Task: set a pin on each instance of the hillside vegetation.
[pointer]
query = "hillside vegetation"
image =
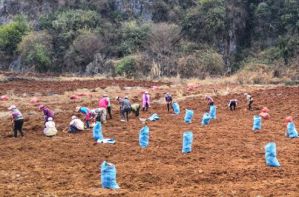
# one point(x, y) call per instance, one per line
point(146, 38)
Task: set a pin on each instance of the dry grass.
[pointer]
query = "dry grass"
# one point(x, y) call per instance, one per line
point(3, 78)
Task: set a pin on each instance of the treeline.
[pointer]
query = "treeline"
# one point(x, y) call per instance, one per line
point(188, 38)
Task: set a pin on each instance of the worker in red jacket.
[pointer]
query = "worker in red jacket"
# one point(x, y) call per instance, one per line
point(103, 105)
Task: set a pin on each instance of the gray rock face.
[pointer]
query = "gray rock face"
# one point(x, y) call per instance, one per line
point(30, 8)
point(135, 8)
point(99, 65)
point(141, 9)
point(16, 65)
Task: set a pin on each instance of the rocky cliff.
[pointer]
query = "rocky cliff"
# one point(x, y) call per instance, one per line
point(33, 9)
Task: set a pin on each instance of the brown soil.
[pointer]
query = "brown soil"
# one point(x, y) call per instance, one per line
point(227, 157)
point(32, 87)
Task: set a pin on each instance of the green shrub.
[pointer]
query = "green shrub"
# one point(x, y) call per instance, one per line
point(212, 62)
point(126, 66)
point(205, 22)
point(11, 34)
point(133, 37)
point(40, 57)
point(73, 20)
point(82, 51)
point(201, 63)
point(36, 51)
point(66, 25)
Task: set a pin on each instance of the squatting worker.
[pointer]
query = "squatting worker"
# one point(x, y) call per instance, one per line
point(87, 114)
point(76, 125)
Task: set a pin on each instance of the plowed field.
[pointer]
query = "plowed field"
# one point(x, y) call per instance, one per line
point(227, 157)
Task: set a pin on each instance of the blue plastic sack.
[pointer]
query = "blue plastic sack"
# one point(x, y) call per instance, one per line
point(270, 155)
point(188, 116)
point(154, 117)
point(187, 142)
point(176, 108)
point(291, 130)
point(108, 176)
point(97, 131)
point(257, 123)
point(206, 119)
point(213, 111)
point(144, 137)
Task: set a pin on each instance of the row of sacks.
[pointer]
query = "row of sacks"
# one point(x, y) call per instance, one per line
point(143, 134)
point(207, 116)
point(291, 131)
point(108, 170)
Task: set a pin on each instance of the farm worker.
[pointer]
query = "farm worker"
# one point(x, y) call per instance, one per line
point(17, 120)
point(210, 100)
point(86, 112)
point(145, 101)
point(120, 101)
point(135, 108)
point(93, 114)
point(50, 129)
point(249, 99)
point(47, 112)
point(98, 114)
point(232, 104)
point(265, 113)
point(125, 109)
point(168, 99)
point(76, 125)
point(109, 107)
point(103, 105)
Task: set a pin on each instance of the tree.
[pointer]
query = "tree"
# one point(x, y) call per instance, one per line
point(82, 51)
point(133, 37)
point(162, 42)
point(65, 26)
point(235, 35)
point(290, 17)
point(11, 34)
point(36, 50)
point(206, 22)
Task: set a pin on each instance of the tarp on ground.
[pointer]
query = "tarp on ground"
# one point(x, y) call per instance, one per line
point(154, 117)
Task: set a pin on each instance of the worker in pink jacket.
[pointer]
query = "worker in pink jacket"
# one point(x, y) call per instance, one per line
point(103, 105)
point(145, 101)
